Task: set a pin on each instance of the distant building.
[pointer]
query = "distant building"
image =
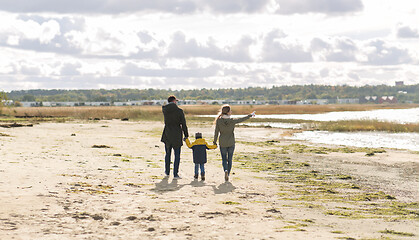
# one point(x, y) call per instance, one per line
point(348, 101)
point(399, 83)
point(369, 99)
point(388, 99)
point(97, 104)
point(7, 102)
point(313, 102)
point(31, 104)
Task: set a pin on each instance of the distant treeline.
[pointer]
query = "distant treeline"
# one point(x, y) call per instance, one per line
point(406, 93)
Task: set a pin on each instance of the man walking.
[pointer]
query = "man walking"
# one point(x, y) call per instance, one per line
point(174, 125)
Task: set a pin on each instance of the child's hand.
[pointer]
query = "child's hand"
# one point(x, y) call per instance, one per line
point(184, 139)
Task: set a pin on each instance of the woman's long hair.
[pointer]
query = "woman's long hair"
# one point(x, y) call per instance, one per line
point(225, 109)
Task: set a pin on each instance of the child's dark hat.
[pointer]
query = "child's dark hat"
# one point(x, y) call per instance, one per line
point(198, 135)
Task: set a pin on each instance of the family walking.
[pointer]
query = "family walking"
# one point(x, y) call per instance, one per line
point(175, 127)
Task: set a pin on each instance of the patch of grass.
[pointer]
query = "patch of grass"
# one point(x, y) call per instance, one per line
point(307, 220)
point(388, 231)
point(301, 148)
point(300, 183)
point(83, 187)
point(371, 196)
point(381, 238)
point(230, 203)
point(100, 146)
point(340, 213)
point(344, 177)
point(367, 125)
point(296, 226)
point(259, 144)
point(156, 177)
point(138, 185)
point(153, 165)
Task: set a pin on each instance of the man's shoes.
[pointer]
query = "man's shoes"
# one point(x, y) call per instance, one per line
point(195, 177)
point(177, 177)
point(226, 176)
point(202, 177)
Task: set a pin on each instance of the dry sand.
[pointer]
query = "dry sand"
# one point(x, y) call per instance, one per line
point(56, 186)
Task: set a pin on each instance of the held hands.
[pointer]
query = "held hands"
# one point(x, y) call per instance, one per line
point(184, 139)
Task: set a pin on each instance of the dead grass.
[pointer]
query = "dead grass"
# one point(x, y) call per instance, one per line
point(103, 112)
point(154, 112)
point(367, 125)
point(291, 109)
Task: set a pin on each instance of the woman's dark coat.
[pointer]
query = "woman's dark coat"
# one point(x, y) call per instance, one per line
point(174, 124)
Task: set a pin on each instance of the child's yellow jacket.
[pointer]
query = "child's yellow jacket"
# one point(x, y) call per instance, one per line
point(199, 148)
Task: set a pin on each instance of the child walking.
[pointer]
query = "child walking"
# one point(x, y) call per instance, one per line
point(199, 149)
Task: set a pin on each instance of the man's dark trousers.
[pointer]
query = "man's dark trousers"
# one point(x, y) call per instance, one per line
point(168, 149)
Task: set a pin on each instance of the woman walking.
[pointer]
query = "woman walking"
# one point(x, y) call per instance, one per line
point(224, 126)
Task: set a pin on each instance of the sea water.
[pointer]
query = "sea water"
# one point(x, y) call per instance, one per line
point(408, 141)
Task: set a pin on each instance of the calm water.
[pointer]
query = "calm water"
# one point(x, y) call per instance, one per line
point(357, 139)
point(410, 115)
point(408, 141)
point(390, 115)
point(273, 124)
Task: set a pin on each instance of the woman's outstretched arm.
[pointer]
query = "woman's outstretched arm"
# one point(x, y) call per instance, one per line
point(239, 120)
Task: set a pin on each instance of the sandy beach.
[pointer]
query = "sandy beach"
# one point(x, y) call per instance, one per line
point(105, 180)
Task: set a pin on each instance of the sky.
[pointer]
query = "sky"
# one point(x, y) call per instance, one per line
point(194, 44)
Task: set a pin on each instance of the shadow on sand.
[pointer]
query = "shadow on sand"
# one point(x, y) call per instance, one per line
point(225, 187)
point(165, 186)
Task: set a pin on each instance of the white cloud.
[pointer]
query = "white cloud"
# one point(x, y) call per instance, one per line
point(127, 6)
point(133, 70)
point(49, 30)
point(379, 52)
point(407, 32)
point(277, 48)
point(69, 69)
point(28, 70)
point(182, 48)
point(197, 43)
point(334, 50)
point(248, 6)
point(320, 6)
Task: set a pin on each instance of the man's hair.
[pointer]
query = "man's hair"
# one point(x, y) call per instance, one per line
point(171, 98)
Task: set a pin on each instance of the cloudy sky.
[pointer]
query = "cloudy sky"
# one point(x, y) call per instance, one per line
point(185, 44)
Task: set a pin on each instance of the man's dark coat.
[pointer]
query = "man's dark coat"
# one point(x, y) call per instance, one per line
point(174, 124)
